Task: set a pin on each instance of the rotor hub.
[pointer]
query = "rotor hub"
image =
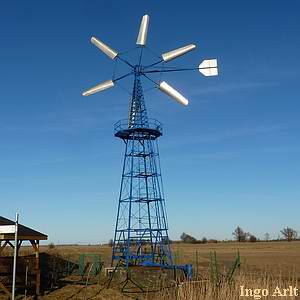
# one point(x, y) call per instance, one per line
point(138, 70)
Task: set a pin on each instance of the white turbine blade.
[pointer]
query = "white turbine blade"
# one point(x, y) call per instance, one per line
point(111, 53)
point(99, 87)
point(167, 89)
point(209, 67)
point(142, 37)
point(177, 52)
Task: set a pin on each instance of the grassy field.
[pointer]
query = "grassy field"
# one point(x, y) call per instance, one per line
point(263, 265)
point(260, 256)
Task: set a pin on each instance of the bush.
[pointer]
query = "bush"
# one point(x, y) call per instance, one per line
point(252, 238)
point(51, 246)
point(186, 238)
point(212, 241)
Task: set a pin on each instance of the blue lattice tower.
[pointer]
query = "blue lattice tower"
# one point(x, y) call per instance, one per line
point(141, 233)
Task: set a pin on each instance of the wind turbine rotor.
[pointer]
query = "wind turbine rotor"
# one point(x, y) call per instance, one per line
point(209, 67)
point(99, 87)
point(167, 89)
point(177, 52)
point(111, 53)
point(142, 37)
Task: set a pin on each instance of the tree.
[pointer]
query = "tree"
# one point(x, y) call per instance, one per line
point(186, 238)
point(204, 240)
point(239, 234)
point(252, 238)
point(110, 243)
point(267, 236)
point(289, 233)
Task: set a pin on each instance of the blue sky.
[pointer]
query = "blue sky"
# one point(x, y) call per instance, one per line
point(230, 158)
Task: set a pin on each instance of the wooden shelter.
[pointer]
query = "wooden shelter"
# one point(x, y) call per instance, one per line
point(24, 234)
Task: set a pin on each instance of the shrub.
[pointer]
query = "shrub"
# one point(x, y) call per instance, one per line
point(51, 246)
point(110, 242)
point(252, 238)
point(212, 241)
point(186, 238)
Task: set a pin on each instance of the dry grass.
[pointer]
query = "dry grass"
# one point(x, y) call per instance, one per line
point(205, 290)
point(265, 265)
point(195, 290)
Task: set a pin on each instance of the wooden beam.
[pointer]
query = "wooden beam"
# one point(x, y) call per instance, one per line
point(10, 244)
point(6, 291)
point(2, 247)
point(11, 237)
point(33, 243)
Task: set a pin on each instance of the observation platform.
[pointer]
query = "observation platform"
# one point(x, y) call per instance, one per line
point(151, 131)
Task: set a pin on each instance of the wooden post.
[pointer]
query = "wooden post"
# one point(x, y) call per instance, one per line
point(36, 246)
point(19, 246)
point(37, 264)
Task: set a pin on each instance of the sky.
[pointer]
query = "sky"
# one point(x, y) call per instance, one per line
point(229, 158)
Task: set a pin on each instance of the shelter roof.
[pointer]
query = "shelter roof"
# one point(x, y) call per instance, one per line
point(24, 233)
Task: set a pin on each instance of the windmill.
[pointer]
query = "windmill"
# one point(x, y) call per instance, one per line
point(141, 232)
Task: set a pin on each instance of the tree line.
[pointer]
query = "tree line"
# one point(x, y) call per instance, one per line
point(239, 235)
point(287, 233)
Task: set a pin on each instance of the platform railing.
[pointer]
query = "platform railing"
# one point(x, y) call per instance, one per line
point(123, 125)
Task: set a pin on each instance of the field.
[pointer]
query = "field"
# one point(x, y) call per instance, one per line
point(263, 265)
point(260, 256)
